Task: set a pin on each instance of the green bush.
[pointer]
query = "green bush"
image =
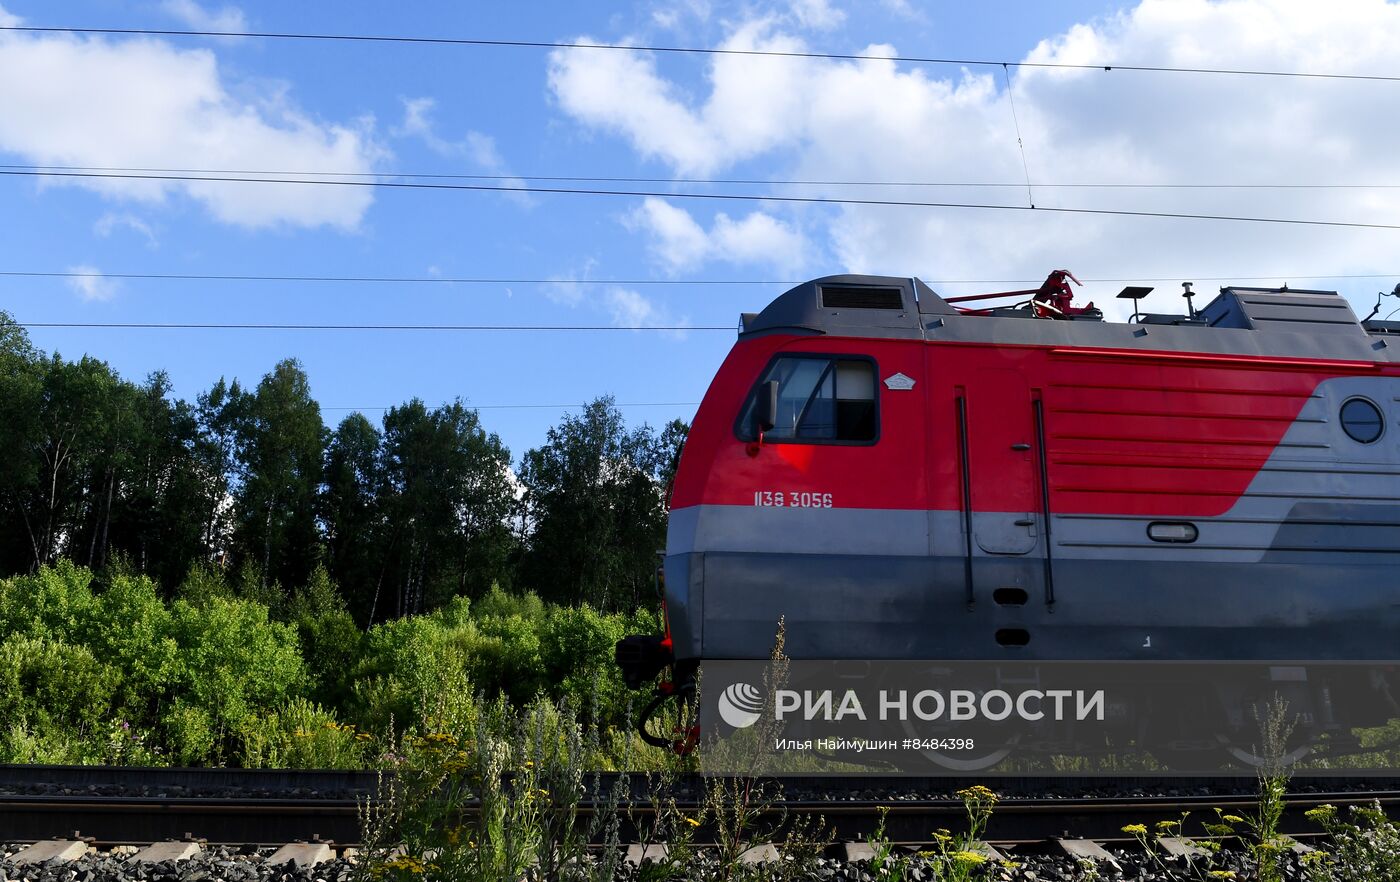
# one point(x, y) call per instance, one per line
point(105, 670)
point(408, 667)
point(53, 603)
point(130, 628)
point(52, 693)
point(234, 662)
point(330, 639)
point(302, 735)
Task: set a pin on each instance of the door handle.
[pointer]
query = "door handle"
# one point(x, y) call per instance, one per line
point(1026, 522)
point(1021, 446)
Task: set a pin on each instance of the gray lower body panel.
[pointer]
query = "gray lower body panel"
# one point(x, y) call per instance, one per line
point(873, 607)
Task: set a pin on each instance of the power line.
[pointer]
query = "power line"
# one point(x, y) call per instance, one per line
point(223, 326)
point(805, 200)
point(534, 406)
point(693, 50)
point(479, 280)
point(777, 182)
point(197, 277)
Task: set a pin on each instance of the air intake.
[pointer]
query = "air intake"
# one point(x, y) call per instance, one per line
point(847, 297)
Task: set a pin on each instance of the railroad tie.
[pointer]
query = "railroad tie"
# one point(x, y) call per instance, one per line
point(166, 851)
point(1180, 846)
point(302, 854)
point(654, 852)
point(61, 850)
point(759, 854)
point(1086, 849)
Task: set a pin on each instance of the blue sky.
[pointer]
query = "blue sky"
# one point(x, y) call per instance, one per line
point(264, 104)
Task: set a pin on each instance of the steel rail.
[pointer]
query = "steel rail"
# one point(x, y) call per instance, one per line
point(266, 820)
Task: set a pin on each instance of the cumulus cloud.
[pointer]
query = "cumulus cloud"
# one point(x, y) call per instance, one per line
point(752, 102)
point(92, 101)
point(623, 307)
point(673, 16)
point(681, 243)
point(228, 19)
point(631, 309)
point(113, 221)
point(90, 284)
point(813, 119)
point(476, 147)
point(817, 14)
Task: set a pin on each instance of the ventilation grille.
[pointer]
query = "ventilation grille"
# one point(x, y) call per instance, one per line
point(862, 298)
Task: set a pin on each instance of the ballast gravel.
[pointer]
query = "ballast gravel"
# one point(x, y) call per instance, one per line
point(232, 865)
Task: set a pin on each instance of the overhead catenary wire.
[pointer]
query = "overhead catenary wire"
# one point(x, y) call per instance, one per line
point(697, 50)
point(777, 182)
point(743, 197)
point(284, 326)
point(505, 280)
point(470, 406)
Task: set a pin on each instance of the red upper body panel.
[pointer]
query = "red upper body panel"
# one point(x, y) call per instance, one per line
point(1127, 432)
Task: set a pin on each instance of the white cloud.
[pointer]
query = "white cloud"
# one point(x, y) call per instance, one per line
point(880, 120)
point(631, 309)
point(566, 289)
point(144, 103)
point(476, 147)
point(113, 220)
point(418, 123)
point(674, 16)
point(903, 9)
point(681, 243)
point(624, 307)
point(817, 14)
point(228, 19)
point(90, 284)
point(748, 112)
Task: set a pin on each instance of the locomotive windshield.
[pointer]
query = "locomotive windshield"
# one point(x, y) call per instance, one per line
point(820, 399)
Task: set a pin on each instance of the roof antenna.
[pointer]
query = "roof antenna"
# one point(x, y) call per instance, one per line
point(1188, 294)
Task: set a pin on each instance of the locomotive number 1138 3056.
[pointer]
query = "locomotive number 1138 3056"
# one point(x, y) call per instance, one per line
point(791, 499)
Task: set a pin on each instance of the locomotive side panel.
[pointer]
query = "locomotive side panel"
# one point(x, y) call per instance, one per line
point(831, 534)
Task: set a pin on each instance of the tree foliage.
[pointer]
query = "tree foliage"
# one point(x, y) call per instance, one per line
point(248, 483)
point(595, 497)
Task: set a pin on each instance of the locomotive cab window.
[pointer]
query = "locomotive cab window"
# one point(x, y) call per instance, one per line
point(820, 399)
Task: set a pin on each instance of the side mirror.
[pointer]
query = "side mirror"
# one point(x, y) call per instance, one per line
point(765, 412)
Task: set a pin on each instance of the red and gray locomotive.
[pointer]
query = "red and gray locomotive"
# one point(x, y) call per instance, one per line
point(902, 477)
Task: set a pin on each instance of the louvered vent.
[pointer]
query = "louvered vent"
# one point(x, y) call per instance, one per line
point(862, 298)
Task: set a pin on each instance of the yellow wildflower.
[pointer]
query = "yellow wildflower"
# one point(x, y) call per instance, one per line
point(1135, 829)
point(968, 858)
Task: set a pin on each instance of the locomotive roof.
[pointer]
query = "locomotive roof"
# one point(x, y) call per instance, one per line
point(1286, 322)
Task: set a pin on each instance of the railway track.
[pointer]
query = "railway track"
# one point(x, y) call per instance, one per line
point(117, 806)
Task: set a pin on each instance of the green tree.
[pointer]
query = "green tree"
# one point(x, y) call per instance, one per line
point(280, 447)
point(351, 513)
point(20, 389)
point(446, 496)
point(76, 439)
point(595, 502)
point(171, 485)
